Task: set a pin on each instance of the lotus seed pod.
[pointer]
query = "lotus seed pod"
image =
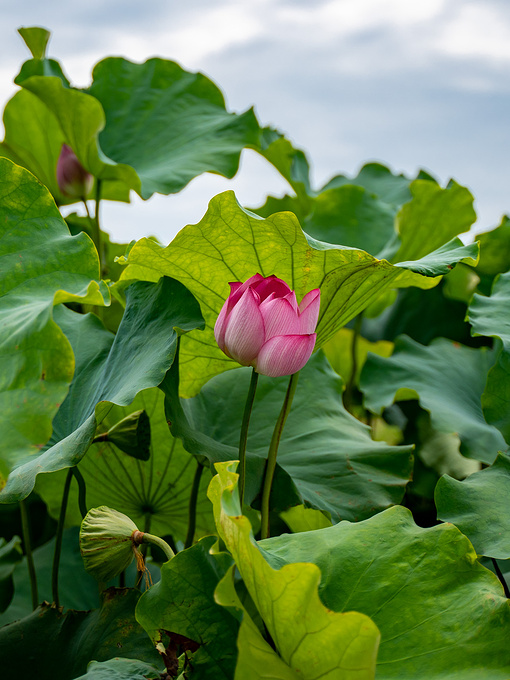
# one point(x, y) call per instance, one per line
point(106, 542)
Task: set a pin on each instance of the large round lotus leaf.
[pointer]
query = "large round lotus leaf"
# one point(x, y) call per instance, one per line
point(442, 616)
point(231, 244)
point(479, 507)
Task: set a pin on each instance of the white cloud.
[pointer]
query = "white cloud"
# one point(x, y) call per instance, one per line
point(477, 31)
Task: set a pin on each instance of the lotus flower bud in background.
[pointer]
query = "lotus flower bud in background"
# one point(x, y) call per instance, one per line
point(262, 325)
point(107, 544)
point(73, 180)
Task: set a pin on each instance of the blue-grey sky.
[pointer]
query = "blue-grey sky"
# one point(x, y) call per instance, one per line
point(422, 83)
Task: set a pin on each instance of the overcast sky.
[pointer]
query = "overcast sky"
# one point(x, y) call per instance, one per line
point(410, 83)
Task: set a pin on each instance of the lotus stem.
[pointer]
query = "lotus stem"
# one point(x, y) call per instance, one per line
point(82, 491)
point(273, 451)
point(244, 433)
point(25, 529)
point(58, 538)
point(141, 537)
point(192, 513)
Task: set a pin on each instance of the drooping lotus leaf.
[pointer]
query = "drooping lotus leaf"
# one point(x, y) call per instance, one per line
point(170, 125)
point(231, 244)
point(448, 379)
point(74, 638)
point(441, 614)
point(41, 265)
point(478, 506)
point(109, 369)
point(150, 127)
point(33, 139)
point(255, 655)
point(327, 457)
point(183, 603)
point(489, 316)
point(312, 640)
point(156, 490)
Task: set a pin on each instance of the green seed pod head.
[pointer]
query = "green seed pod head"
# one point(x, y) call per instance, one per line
point(106, 542)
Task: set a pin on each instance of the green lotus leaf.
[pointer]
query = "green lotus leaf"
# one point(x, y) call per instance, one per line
point(478, 507)
point(432, 217)
point(489, 316)
point(74, 638)
point(255, 655)
point(292, 164)
point(339, 353)
point(389, 216)
point(34, 138)
point(326, 458)
point(170, 125)
point(150, 127)
point(231, 244)
point(77, 589)
point(109, 368)
point(41, 265)
point(120, 669)
point(183, 604)
point(10, 554)
point(156, 490)
point(36, 39)
point(312, 640)
point(448, 379)
point(441, 614)
point(300, 518)
point(494, 254)
point(422, 315)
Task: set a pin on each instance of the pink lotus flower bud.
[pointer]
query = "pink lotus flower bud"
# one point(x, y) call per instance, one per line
point(73, 180)
point(261, 325)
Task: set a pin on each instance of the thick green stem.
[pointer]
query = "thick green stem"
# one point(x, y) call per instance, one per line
point(155, 540)
point(192, 512)
point(349, 388)
point(244, 434)
point(82, 491)
point(25, 529)
point(273, 451)
point(58, 538)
